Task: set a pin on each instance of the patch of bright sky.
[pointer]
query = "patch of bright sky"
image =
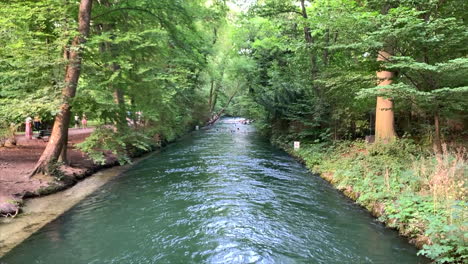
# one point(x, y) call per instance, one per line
point(243, 5)
point(240, 5)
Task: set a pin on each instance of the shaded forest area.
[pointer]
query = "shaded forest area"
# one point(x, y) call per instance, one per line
point(336, 75)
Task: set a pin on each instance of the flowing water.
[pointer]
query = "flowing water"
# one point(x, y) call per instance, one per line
point(222, 195)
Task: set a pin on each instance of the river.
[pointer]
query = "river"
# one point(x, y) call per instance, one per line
point(222, 195)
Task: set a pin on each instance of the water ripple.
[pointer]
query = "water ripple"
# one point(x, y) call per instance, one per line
point(216, 197)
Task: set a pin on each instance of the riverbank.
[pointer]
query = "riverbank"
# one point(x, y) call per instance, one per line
point(39, 211)
point(45, 197)
point(89, 150)
point(421, 194)
point(16, 162)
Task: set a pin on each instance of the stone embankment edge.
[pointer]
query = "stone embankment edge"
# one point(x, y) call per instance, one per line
point(39, 211)
point(376, 209)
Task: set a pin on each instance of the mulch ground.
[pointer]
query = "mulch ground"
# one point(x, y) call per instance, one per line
point(18, 161)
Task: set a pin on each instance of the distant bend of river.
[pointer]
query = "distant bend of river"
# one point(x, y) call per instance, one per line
point(222, 195)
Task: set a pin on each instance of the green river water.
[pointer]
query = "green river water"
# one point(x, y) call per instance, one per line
point(222, 195)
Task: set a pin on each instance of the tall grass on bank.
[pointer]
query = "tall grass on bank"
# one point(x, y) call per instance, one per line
point(410, 188)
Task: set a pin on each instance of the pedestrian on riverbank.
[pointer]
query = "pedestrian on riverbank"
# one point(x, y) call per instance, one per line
point(37, 123)
point(84, 122)
point(77, 121)
point(28, 133)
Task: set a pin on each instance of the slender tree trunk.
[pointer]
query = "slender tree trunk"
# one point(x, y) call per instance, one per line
point(437, 138)
point(119, 100)
point(325, 50)
point(211, 95)
point(133, 116)
point(310, 41)
point(215, 98)
point(215, 35)
point(218, 115)
point(307, 34)
point(63, 155)
point(60, 129)
point(384, 116)
point(118, 92)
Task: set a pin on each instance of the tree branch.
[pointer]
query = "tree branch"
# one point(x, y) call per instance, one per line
point(127, 8)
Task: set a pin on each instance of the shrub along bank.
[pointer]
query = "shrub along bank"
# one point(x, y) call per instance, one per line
point(421, 194)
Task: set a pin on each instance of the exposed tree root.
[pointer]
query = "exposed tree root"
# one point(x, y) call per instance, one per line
point(11, 215)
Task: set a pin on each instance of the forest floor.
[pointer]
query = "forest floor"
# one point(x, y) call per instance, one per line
point(18, 161)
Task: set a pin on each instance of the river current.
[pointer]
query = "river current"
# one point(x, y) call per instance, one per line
point(221, 195)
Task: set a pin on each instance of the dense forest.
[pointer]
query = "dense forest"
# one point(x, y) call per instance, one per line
point(376, 91)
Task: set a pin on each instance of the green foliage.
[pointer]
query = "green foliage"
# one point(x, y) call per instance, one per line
point(154, 69)
point(153, 52)
point(54, 170)
point(399, 150)
point(401, 176)
point(7, 130)
point(104, 140)
point(326, 89)
point(31, 66)
point(449, 239)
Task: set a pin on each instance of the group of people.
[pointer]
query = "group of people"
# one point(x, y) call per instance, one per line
point(84, 121)
point(245, 121)
point(36, 124)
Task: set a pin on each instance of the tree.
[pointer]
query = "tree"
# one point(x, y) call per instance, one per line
point(418, 46)
point(384, 116)
point(58, 139)
point(161, 49)
point(428, 60)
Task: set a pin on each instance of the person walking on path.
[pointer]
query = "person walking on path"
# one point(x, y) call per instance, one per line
point(28, 133)
point(77, 121)
point(84, 122)
point(37, 123)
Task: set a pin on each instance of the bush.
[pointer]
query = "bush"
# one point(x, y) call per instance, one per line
point(105, 139)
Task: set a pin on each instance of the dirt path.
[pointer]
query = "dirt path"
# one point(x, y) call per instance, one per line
point(16, 163)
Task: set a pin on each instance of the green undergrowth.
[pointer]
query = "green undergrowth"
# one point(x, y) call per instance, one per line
point(106, 140)
point(130, 142)
point(420, 193)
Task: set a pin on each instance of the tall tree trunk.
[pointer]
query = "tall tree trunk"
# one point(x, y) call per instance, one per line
point(215, 98)
point(384, 116)
point(210, 102)
point(121, 115)
point(121, 122)
point(62, 119)
point(325, 50)
point(63, 155)
point(215, 35)
point(437, 138)
point(310, 41)
point(218, 115)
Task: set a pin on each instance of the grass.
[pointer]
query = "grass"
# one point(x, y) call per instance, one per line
point(408, 187)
